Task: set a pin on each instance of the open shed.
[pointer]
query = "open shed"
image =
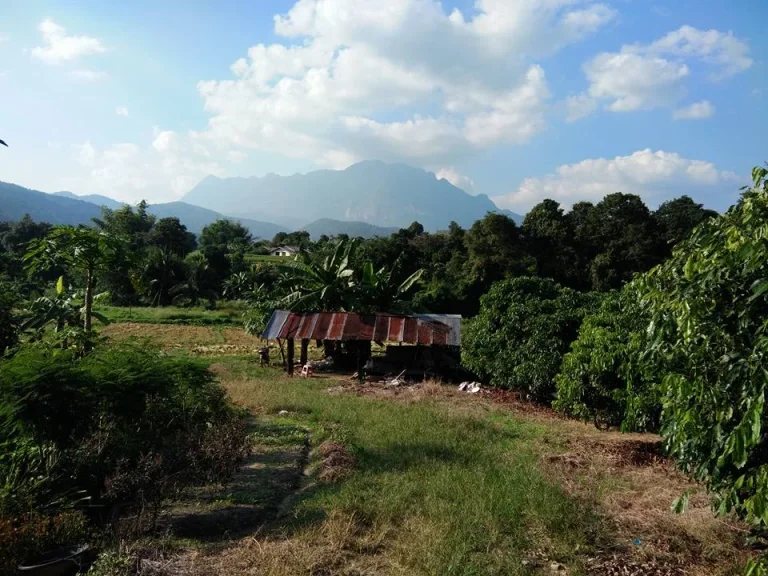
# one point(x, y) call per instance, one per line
point(424, 330)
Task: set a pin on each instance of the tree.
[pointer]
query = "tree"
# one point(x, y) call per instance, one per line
point(224, 243)
point(549, 240)
point(676, 218)
point(708, 306)
point(170, 235)
point(495, 250)
point(624, 238)
point(606, 376)
point(325, 285)
point(524, 327)
point(380, 291)
point(161, 269)
point(83, 250)
point(199, 283)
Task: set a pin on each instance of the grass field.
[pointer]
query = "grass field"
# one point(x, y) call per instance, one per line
point(226, 313)
point(267, 259)
point(370, 479)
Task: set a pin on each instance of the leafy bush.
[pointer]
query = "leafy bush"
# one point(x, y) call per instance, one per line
point(119, 424)
point(524, 327)
point(606, 375)
point(709, 305)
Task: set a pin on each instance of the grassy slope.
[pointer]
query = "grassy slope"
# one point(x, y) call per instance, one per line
point(443, 484)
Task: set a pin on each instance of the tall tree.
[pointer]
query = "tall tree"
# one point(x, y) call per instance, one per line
point(549, 240)
point(223, 242)
point(169, 234)
point(84, 250)
point(678, 217)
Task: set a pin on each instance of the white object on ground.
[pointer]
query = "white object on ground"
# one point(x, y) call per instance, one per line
point(469, 387)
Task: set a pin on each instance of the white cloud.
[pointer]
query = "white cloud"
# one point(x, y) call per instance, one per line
point(160, 172)
point(695, 111)
point(456, 178)
point(3, 39)
point(400, 80)
point(121, 110)
point(578, 107)
point(58, 47)
point(655, 176)
point(642, 77)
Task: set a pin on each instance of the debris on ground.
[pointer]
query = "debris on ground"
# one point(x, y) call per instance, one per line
point(337, 461)
point(623, 566)
point(469, 387)
point(397, 380)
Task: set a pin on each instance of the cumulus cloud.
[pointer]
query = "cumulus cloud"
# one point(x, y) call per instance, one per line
point(401, 80)
point(642, 77)
point(58, 47)
point(121, 110)
point(654, 175)
point(695, 111)
point(163, 171)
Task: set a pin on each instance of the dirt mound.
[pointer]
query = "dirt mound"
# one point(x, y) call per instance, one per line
point(337, 461)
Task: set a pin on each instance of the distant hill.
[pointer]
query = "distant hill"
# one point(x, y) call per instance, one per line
point(68, 208)
point(97, 199)
point(392, 195)
point(196, 218)
point(15, 201)
point(331, 227)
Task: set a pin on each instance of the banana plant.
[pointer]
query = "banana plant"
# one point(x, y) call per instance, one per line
point(311, 284)
point(379, 291)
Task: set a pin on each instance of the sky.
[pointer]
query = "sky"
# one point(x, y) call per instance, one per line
point(518, 99)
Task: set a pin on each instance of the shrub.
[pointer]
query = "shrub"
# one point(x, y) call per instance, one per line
point(119, 424)
point(709, 305)
point(606, 376)
point(524, 327)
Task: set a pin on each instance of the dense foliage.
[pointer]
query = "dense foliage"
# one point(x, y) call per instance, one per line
point(708, 307)
point(119, 425)
point(606, 376)
point(524, 327)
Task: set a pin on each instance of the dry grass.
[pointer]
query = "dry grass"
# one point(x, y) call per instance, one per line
point(197, 340)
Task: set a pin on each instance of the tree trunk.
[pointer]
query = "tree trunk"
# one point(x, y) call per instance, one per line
point(88, 300)
point(304, 352)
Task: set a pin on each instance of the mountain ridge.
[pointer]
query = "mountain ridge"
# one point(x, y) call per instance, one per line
point(372, 192)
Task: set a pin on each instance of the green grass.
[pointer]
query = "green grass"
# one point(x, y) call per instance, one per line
point(227, 313)
point(445, 490)
point(267, 259)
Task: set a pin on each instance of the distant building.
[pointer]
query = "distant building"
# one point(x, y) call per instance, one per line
point(284, 251)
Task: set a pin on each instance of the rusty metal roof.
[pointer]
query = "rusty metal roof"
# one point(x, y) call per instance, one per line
point(439, 329)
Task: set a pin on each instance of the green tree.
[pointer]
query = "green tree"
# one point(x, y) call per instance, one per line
point(549, 240)
point(708, 306)
point(170, 235)
point(199, 284)
point(224, 243)
point(678, 217)
point(524, 328)
point(83, 250)
point(495, 250)
point(606, 376)
point(381, 291)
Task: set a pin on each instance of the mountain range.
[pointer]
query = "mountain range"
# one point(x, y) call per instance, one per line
point(367, 199)
point(374, 192)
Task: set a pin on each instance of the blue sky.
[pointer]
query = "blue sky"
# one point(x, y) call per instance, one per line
point(520, 100)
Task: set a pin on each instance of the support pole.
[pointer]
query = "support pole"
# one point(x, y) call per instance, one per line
point(304, 352)
point(290, 356)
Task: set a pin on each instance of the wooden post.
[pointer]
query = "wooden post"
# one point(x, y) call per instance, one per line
point(290, 356)
point(304, 352)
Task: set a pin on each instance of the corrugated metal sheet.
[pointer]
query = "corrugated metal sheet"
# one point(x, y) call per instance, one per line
point(425, 329)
